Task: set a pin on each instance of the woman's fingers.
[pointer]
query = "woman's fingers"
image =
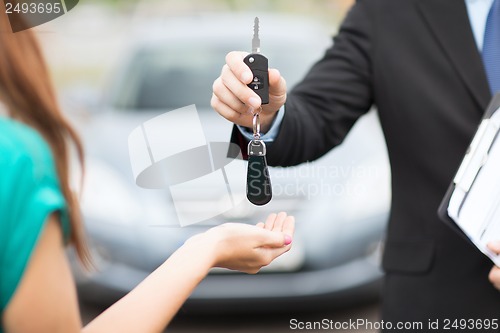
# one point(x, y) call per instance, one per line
point(279, 221)
point(289, 226)
point(281, 224)
point(270, 221)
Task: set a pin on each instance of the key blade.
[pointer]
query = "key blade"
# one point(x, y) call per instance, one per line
point(256, 39)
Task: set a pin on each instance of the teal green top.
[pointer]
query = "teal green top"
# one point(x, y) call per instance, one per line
point(29, 193)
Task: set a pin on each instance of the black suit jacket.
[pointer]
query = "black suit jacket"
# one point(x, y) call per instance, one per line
point(417, 61)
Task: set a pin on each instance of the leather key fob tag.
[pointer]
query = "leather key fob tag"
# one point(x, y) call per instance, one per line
point(259, 191)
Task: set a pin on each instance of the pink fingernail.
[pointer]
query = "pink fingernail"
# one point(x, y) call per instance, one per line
point(288, 240)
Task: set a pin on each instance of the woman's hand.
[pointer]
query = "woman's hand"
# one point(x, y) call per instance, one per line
point(233, 245)
point(494, 276)
point(233, 100)
point(245, 247)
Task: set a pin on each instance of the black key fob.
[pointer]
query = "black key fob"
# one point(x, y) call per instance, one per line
point(259, 190)
point(260, 83)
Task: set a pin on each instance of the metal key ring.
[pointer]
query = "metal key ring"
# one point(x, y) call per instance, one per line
point(256, 125)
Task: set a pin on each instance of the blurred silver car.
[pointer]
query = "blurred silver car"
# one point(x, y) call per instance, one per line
point(341, 202)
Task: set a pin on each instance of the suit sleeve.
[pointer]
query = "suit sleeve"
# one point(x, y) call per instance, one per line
point(321, 109)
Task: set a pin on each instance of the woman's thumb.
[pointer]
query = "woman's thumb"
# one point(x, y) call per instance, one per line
point(276, 239)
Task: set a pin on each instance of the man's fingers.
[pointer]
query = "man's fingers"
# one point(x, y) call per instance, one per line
point(494, 246)
point(235, 62)
point(226, 111)
point(239, 89)
point(236, 102)
point(494, 277)
point(227, 97)
point(277, 84)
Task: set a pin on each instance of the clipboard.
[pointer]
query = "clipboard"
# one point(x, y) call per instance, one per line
point(471, 205)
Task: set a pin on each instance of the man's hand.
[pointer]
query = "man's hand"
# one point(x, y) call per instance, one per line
point(235, 101)
point(495, 271)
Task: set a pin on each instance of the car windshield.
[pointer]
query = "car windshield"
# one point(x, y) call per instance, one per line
point(172, 77)
point(166, 78)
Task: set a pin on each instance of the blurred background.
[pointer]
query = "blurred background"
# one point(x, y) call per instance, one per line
point(117, 64)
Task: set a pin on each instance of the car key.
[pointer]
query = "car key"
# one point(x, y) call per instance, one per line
point(259, 191)
point(259, 66)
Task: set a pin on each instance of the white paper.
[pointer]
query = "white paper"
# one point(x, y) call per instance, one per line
point(477, 212)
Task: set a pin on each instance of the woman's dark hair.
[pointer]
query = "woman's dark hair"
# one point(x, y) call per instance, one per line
point(26, 90)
